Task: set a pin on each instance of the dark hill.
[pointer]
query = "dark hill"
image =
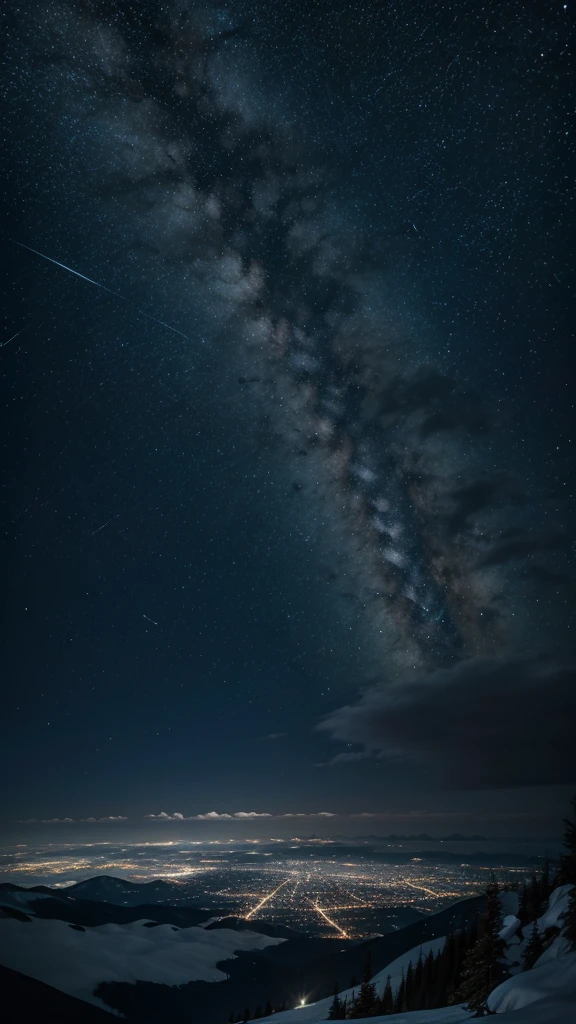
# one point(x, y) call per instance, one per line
point(92, 913)
point(24, 999)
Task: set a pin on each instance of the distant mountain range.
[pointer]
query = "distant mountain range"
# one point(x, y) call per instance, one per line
point(421, 837)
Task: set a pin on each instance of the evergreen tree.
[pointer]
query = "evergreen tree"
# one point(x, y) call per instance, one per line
point(409, 986)
point(567, 872)
point(545, 881)
point(246, 1016)
point(365, 1004)
point(428, 982)
point(386, 1002)
point(570, 918)
point(535, 899)
point(534, 948)
point(232, 1018)
point(483, 968)
point(567, 875)
point(337, 1011)
point(400, 999)
point(258, 1013)
point(418, 976)
point(268, 1009)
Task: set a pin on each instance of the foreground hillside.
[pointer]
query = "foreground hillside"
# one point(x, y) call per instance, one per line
point(76, 957)
point(160, 962)
point(545, 994)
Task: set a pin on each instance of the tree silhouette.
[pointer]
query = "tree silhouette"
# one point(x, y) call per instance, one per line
point(534, 948)
point(483, 968)
point(337, 1008)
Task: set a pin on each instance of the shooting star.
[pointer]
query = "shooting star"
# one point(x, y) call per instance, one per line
point(149, 619)
point(104, 524)
point(4, 343)
point(103, 287)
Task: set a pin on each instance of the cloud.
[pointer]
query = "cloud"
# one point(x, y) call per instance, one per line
point(310, 814)
point(211, 816)
point(163, 816)
point(108, 817)
point(250, 815)
point(484, 723)
point(72, 821)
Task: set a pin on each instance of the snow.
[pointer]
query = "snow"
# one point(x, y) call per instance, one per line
point(557, 907)
point(446, 1015)
point(509, 928)
point(554, 978)
point(20, 900)
point(552, 981)
point(319, 1011)
point(77, 961)
point(544, 995)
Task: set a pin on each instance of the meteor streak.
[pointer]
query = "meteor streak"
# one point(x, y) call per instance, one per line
point(103, 287)
point(4, 343)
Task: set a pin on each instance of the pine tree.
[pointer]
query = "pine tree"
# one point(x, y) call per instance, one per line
point(534, 948)
point(400, 999)
point(570, 918)
point(418, 975)
point(522, 913)
point(337, 1007)
point(246, 1016)
point(268, 1009)
point(537, 898)
point(545, 881)
point(386, 1002)
point(409, 989)
point(365, 1004)
point(567, 875)
point(483, 968)
point(428, 981)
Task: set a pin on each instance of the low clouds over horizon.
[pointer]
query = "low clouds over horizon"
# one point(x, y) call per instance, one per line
point(236, 816)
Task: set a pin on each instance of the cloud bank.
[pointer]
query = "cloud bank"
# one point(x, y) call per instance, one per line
point(484, 723)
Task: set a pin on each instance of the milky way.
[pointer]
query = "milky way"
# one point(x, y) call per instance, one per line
point(202, 191)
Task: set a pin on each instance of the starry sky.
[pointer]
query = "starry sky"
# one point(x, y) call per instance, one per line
point(286, 495)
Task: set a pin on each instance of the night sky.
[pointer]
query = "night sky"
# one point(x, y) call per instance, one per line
point(287, 517)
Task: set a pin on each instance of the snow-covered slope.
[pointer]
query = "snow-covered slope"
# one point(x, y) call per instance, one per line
point(446, 1015)
point(319, 1011)
point(76, 961)
point(552, 980)
point(544, 995)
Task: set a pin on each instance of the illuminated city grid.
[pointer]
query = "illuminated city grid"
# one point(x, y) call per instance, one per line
point(319, 895)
